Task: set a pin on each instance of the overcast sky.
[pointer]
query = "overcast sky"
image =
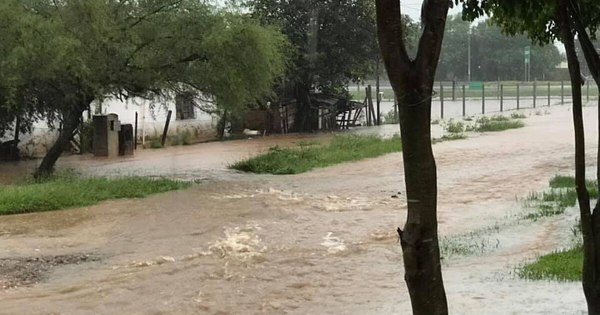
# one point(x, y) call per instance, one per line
point(413, 8)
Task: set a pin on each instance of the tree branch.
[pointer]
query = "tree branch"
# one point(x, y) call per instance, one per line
point(589, 51)
point(433, 15)
point(391, 39)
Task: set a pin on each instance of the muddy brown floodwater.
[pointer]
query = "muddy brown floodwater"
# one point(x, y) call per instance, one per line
point(322, 242)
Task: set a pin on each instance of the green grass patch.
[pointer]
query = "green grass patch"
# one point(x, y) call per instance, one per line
point(499, 118)
point(485, 124)
point(73, 191)
point(342, 148)
point(455, 127)
point(562, 195)
point(564, 265)
point(450, 137)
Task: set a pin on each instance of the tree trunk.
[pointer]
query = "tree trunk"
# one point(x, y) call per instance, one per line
point(305, 119)
point(590, 223)
point(412, 81)
point(222, 124)
point(419, 239)
point(71, 121)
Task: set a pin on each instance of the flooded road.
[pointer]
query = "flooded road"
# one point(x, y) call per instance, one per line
point(322, 242)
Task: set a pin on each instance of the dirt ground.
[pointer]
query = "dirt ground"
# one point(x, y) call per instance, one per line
point(322, 242)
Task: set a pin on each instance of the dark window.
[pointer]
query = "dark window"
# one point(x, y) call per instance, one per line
point(184, 106)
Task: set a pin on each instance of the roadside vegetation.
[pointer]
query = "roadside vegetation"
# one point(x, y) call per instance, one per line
point(345, 148)
point(455, 129)
point(307, 156)
point(563, 265)
point(70, 191)
point(566, 264)
point(562, 195)
point(497, 123)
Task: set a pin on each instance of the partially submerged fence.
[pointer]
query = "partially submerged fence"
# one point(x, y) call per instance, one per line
point(456, 99)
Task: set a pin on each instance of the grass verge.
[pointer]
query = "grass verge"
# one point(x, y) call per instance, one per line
point(342, 148)
point(564, 265)
point(72, 191)
point(562, 195)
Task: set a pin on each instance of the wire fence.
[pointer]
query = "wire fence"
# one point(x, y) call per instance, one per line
point(461, 99)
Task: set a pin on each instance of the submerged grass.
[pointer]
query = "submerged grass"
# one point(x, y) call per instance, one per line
point(473, 243)
point(562, 195)
point(342, 148)
point(71, 191)
point(497, 123)
point(564, 265)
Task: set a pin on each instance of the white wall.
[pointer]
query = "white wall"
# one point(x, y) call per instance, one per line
point(152, 117)
point(151, 122)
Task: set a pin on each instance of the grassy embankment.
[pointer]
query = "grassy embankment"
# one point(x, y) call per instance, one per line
point(307, 156)
point(70, 191)
point(345, 148)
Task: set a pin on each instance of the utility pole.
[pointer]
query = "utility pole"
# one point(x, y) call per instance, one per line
point(469, 62)
point(527, 63)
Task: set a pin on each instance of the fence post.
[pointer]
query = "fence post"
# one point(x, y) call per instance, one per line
point(453, 90)
point(501, 97)
point(464, 107)
point(518, 96)
point(534, 92)
point(441, 100)
point(483, 97)
point(562, 92)
point(587, 83)
point(548, 93)
point(498, 90)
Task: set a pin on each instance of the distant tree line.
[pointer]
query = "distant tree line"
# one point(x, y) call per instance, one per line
point(494, 55)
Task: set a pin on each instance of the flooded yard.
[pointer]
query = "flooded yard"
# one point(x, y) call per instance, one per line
point(322, 242)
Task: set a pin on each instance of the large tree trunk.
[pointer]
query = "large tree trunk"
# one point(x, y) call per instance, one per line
point(412, 81)
point(419, 239)
point(590, 223)
point(71, 121)
point(306, 116)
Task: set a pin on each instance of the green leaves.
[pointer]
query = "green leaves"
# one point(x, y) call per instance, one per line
point(334, 41)
point(55, 52)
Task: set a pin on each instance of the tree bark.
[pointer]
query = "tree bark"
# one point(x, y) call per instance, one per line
point(590, 222)
point(71, 121)
point(305, 118)
point(412, 81)
point(222, 124)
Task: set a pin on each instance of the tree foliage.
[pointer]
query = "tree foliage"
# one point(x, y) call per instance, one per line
point(334, 41)
point(493, 54)
point(59, 56)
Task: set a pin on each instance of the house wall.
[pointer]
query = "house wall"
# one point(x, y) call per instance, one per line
point(151, 122)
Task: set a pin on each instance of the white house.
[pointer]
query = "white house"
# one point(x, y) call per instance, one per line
point(152, 116)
